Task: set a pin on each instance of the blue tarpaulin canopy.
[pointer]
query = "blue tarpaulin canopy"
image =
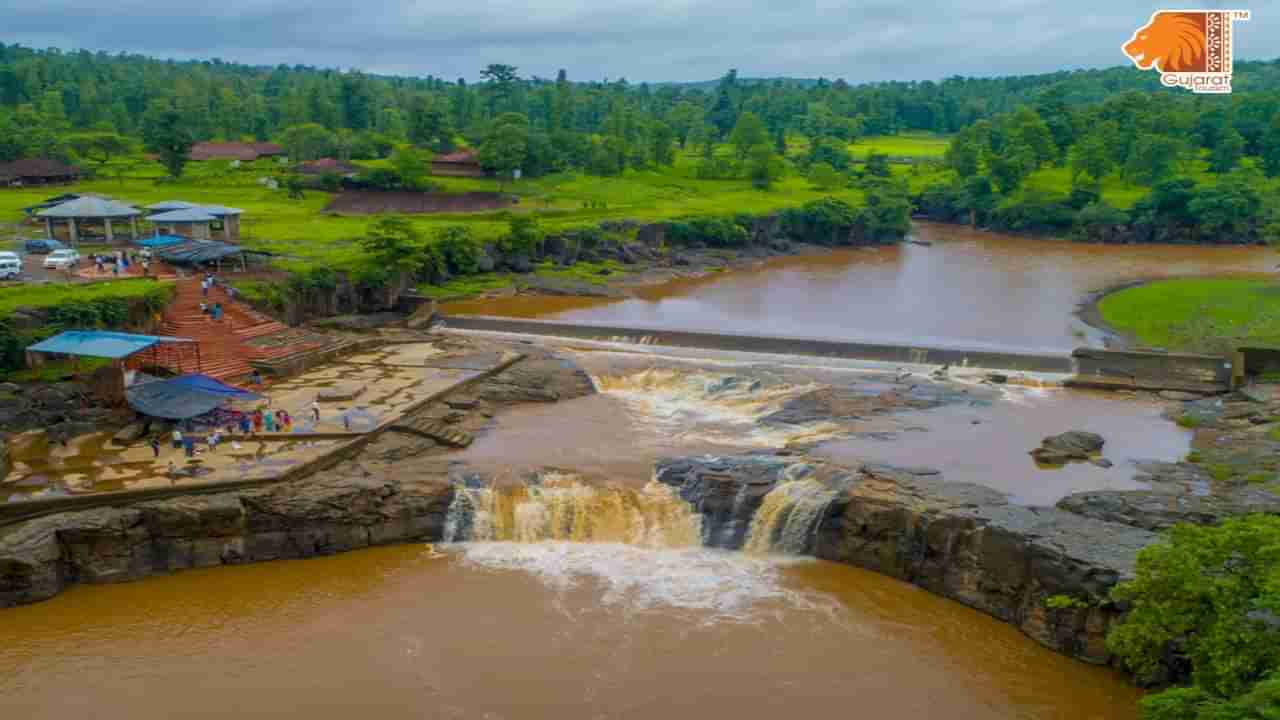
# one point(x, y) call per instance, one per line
point(99, 343)
point(183, 397)
point(161, 241)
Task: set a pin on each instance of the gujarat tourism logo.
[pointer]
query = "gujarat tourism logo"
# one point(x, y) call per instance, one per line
point(1189, 48)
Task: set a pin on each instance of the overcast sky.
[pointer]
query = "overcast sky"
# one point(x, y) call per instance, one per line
point(642, 40)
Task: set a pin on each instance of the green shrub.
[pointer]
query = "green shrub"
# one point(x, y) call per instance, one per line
point(1205, 610)
point(1065, 602)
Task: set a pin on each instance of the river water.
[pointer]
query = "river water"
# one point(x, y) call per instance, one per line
point(968, 289)
point(552, 630)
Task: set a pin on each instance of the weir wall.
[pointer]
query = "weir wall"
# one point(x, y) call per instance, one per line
point(777, 344)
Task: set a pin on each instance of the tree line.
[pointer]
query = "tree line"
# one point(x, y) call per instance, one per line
point(1202, 161)
point(93, 106)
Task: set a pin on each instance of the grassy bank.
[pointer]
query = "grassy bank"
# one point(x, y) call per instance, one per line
point(60, 294)
point(1197, 314)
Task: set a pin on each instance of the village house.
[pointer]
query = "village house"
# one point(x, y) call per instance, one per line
point(244, 152)
point(37, 171)
point(462, 163)
point(328, 166)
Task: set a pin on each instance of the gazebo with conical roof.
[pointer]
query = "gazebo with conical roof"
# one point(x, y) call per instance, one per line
point(89, 209)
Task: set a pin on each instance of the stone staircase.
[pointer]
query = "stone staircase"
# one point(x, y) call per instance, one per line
point(227, 346)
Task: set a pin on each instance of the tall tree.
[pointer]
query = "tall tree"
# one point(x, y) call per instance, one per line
point(170, 140)
point(505, 145)
point(748, 134)
point(1224, 157)
point(99, 147)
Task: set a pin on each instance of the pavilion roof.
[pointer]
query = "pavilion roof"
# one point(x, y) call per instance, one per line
point(89, 207)
point(171, 205)
point(186, 215)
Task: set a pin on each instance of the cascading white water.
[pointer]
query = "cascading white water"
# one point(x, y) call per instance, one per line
point(710, 407)
point(789, 518)
point(562, 507)
point(642, 547)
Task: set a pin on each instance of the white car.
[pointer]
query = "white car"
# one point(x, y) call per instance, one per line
point(62, 260)
point(10, 265)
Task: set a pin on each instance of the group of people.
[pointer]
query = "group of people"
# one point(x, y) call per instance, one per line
point(120, 261)
point(248, 424)
point(271, 421)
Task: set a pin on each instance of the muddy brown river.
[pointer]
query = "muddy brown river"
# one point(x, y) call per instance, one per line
point(549, 630)
point(968, 289)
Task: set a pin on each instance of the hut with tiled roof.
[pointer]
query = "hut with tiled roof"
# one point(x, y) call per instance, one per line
point(37, 171)
point(328, 166)
point(244, 152)
point(463, 163)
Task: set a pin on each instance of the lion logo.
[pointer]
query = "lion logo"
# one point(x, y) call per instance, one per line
point(1172, 42)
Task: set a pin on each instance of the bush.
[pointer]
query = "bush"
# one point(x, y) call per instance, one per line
point(711, 230)
point(823, 222)
point(824, 177)
point(1205, 609)
point(459, 250)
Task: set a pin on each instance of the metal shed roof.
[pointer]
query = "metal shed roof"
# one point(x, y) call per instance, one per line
point(199, 251)
point(221, 210)
point(192, 215)
point(89, 207)
point(99, 343)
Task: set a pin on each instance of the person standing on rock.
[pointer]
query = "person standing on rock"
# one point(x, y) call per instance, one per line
point(270, 419)
point(177, 439)
point(315, 410)
point(155, 447)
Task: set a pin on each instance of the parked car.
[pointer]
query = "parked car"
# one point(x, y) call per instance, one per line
point(10, 265)
point(43, 247)
point(62, 259)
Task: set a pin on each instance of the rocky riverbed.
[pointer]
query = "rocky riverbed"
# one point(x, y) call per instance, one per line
point(960, 540)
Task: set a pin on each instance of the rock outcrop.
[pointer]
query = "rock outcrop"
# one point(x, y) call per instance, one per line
point(957, 540)
point(1069, 446)
point(1178, 493)
point(319, 516)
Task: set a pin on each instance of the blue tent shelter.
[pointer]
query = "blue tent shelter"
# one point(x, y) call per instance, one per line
point(183, 397)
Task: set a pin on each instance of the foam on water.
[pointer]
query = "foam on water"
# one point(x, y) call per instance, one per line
point(717, 408)
point(720, 585)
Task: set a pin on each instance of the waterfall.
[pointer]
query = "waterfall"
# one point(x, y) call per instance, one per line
point(789, 517)
point(560, 507)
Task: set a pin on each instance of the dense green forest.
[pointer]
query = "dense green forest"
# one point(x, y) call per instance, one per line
point(51, 100)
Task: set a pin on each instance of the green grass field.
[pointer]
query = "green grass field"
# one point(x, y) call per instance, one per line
point(912, 145)
point(1206, 314)
point(304, 236)
point(51, 294)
